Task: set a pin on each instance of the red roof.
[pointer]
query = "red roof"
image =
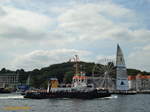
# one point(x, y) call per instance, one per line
point(143, 76)
point(138, 77)
point(79, 77)
point(131, 77)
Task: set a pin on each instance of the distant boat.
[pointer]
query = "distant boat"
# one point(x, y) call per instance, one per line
point(21, 89)
point(5, 90)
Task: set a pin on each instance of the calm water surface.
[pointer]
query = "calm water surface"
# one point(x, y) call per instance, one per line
point(116, 103)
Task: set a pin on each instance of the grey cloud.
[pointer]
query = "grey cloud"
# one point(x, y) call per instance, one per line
point(21, 33)
point(139, 59)
point(2, 12)
point(23, 24)
point(41, 58)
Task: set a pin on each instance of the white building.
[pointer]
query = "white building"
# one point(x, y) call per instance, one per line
point(121, 78)
point(8, 80)
point(139, 82)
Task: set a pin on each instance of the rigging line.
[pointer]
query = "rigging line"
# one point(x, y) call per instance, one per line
point(111, 68)
point(100, 69)
point(111, 65)
point(107, 65)
point(104, 68)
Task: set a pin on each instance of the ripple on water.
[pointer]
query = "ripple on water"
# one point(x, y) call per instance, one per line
point(115, 103)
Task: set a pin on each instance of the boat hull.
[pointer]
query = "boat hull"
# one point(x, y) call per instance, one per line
point(3, 90)
point(124, 92)
point(63, 94)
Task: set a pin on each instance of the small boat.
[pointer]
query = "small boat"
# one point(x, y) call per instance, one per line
point(5, 90)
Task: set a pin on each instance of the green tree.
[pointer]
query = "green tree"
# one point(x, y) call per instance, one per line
point(68, 77)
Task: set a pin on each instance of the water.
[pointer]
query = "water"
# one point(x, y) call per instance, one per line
point(115, 103)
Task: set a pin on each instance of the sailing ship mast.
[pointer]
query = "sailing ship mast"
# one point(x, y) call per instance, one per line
point(79, 79)
point(76, 64)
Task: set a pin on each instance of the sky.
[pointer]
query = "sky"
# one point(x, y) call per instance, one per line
point(38, 33)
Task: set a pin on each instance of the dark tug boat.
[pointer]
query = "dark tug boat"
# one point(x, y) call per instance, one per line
point(79, 89)
point(90, 94)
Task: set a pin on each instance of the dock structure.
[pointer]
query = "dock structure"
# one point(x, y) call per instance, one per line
point(8, 80)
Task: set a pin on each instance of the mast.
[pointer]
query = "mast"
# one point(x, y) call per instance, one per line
point(76, 64)
point(122, 78)
point(28, 80)
point(79, 79)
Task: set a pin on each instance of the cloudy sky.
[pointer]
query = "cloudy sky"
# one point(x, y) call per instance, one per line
point(37, 33)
